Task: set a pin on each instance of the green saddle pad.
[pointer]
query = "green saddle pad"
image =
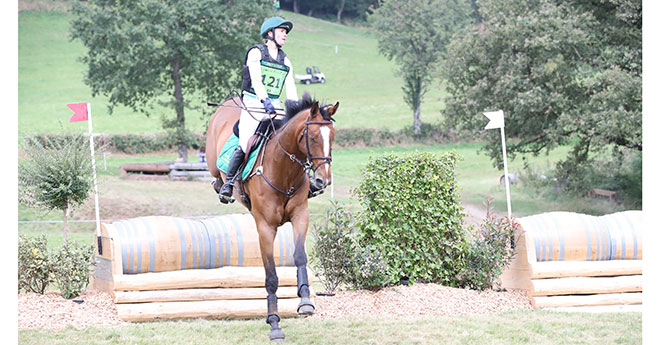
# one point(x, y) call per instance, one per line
point(227, 150)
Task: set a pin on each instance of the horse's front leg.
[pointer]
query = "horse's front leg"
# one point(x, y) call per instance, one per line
point(300, 224)
point(266, 237)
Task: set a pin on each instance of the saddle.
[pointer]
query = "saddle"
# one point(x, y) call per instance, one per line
point(255, 145)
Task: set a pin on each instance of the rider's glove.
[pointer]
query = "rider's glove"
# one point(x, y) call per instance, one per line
point(270, 109)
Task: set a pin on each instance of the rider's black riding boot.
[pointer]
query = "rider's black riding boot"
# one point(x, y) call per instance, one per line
point(227, 189)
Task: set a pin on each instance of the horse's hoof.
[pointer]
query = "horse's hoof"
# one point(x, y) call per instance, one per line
point(277, 335)
point(306, 307)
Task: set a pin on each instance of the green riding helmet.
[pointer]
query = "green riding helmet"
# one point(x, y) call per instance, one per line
point(275, 22)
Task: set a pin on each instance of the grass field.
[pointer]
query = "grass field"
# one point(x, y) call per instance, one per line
point(529, 327)
point(363, 81)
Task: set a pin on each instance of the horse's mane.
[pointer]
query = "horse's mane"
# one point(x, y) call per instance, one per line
point(306, 102)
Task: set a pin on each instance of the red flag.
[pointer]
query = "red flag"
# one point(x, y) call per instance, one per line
point(79, 112)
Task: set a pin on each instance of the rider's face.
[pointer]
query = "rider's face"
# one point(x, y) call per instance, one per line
point(280, 35)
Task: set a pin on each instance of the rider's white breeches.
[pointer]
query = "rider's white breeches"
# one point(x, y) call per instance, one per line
point(250, 120)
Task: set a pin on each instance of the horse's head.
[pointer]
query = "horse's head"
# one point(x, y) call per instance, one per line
point(316, 142)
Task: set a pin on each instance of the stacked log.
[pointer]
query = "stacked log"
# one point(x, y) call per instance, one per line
point(567, 259)
point(174, 268)
point(190, 172)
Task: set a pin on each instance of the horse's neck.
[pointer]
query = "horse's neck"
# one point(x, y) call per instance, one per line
point(288, 140)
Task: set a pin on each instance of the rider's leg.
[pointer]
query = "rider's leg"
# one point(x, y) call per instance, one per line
point(227, 189)
point(246, 128)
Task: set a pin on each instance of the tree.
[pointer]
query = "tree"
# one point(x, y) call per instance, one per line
point(55, 174)
point(415, 34)
point(564, 73)
point(141, 51)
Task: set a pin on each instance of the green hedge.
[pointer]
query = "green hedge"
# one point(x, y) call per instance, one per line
point(344, 137)
point(132, 143)
point(412, 214)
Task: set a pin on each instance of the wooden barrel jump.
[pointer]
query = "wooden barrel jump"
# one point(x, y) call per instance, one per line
point(173, 268)
point(566, 259)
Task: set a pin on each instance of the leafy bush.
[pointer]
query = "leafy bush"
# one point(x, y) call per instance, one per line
point(55, 174)
point(368, 268)
point(412, 214)
point(491, 251)
point(73, 264)
point(34, 264)
point(339, 257)
point(333, 247)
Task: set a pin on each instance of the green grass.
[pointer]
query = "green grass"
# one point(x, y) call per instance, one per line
point(522, 327)
point(363, 81)
point(122, 199)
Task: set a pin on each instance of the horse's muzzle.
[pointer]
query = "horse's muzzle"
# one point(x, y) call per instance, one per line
point(320, 183)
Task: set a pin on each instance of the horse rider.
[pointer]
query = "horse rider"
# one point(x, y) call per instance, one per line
point(266, 71)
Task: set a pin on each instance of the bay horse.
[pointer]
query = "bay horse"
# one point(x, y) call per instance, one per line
point(278, 192)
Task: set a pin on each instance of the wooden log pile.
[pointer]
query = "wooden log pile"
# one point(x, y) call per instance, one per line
point(567, 259)
point(174, 268)
point(190, 172)
point(145, 171)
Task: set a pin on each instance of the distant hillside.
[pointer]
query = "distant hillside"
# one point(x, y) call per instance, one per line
point(363, 81)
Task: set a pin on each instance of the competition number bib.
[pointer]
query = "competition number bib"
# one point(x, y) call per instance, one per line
point(272, 76)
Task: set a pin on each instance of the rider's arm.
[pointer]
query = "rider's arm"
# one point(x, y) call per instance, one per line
point(289, 83)
point(254, 66)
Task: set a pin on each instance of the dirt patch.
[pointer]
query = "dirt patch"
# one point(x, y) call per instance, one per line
point(418, 300)
point(51, 311)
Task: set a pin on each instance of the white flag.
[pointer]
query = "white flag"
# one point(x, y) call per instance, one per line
point(496, 119)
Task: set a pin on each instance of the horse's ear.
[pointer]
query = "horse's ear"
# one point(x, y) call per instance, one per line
point(333, 109)
point(315, 108)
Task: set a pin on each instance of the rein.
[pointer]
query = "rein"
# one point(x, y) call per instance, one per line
point(307, 165)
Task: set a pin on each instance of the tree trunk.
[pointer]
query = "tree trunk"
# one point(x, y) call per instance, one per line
point(417, 117)
point(341, 9)
point(66, 225)
point(296, 8)
point(417, 122)
point(181, 120)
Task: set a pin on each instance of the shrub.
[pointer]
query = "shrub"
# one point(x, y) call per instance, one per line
point(413, 216)
point(339, 257)
point(368, 268)
point(73, 264)
point(55, 175)
point(333, 247)
point(34, 264)
point(491, 251)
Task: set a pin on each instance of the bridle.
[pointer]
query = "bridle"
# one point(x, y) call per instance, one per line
point(307, 166)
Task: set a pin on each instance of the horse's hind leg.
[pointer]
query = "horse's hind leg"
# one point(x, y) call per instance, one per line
point(266, 238)
point(306, 306)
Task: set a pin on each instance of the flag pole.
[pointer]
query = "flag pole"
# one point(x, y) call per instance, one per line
point(497, 121)
point(506, 173)
point(96, 192)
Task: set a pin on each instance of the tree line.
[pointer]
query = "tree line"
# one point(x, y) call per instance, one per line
point(563, 72)
point(339, 9)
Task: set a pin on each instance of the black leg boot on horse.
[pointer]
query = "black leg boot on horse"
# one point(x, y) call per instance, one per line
point(273, 317)
point(306, 306)
point(227, 190)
